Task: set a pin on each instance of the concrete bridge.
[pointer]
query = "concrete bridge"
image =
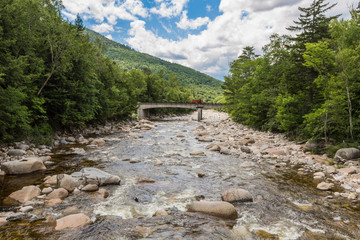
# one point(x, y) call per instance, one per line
point(143, 110)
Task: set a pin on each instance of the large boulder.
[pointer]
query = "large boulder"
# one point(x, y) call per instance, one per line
point(216, 208)
point(25, 194)
point(58, 193)
point(16, 152)
point(72, 221)
point(96, 176)
point(236, 195)
point(67, 182)
point(345, 154)
point(26, 165)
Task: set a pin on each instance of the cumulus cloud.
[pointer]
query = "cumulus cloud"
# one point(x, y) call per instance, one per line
point(109, 37)
point(186, 23)
point(102, 28)
point(111, 10)
point(169, 8)
point(255, 6)
point(223, 40)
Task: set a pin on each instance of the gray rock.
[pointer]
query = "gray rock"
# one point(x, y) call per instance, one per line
point(216, 208)
point(225, 151)
point(26, 209)
point(345, 154)
point(22, 146)
point(94, 175)
point(310, 145)
point(58, 193)
point(236, 195)
point(90, 188)
point(16, 152)
point(67, 182)
point(325, 186)
point(245, 149)
point(26, 165)
point(63, 142)
point(47, 190)
point(197, 153)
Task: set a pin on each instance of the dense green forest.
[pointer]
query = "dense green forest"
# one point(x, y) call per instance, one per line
point(53, 77)
point(201, 85)
point(306, 85)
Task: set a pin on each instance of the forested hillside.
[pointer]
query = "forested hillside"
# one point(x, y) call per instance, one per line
point(307, 85)
point(52, 77)
point(202, 85)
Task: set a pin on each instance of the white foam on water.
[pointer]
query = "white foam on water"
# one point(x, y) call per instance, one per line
point(117, 206)
point(284, 229)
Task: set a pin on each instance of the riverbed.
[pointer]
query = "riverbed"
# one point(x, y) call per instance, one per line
point(152, 199)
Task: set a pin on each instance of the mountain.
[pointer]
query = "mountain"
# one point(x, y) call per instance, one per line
point(202, 85)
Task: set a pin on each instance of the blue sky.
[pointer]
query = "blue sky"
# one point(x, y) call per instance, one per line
point(202, 34)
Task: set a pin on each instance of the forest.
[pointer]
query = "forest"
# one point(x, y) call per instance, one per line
point(306, 85)
point(201, 85)
point(52, 77)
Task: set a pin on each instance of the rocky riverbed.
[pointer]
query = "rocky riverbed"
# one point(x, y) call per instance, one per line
point(176, 178)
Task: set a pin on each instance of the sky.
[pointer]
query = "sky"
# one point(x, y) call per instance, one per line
point(206, 35)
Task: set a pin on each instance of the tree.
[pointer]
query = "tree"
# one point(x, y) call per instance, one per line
point(319, 57)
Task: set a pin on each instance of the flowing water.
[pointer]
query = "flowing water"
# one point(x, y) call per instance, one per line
point(286, 205)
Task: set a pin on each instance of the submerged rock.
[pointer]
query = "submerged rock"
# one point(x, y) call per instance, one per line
point(26, 165)
point(72, 221)
point(236, 195)
point(216, 208)
point(25, 194)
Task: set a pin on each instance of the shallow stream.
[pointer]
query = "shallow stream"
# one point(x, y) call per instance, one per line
point(286, 206)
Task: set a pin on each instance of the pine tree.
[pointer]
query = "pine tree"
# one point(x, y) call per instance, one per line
point(312, 24)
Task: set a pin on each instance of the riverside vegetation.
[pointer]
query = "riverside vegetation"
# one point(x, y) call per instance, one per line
point(52, 77)
point(307, 85)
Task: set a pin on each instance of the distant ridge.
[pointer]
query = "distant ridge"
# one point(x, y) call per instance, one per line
point(202, 85)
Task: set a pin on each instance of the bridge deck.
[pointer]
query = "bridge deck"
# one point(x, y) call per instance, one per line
point(143, 110)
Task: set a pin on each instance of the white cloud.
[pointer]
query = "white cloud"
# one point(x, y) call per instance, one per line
point(69, 16)
point(211, 50)
point(208, 8)
point(102, 28)
point(111, 10)
point(109, 37)
point(186, 23)
point(169, 8)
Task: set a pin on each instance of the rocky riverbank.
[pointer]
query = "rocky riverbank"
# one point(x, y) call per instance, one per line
point(53, 198)
point(280, 153)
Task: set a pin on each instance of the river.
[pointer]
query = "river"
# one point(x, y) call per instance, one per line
point(285, 205)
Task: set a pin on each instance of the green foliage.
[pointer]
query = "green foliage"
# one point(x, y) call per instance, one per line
point(201, 85)
point(53, 77)
point(14, 116)
point(308, 85)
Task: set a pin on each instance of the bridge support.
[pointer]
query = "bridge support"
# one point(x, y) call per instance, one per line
point(143, 113)
point(199, 109)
